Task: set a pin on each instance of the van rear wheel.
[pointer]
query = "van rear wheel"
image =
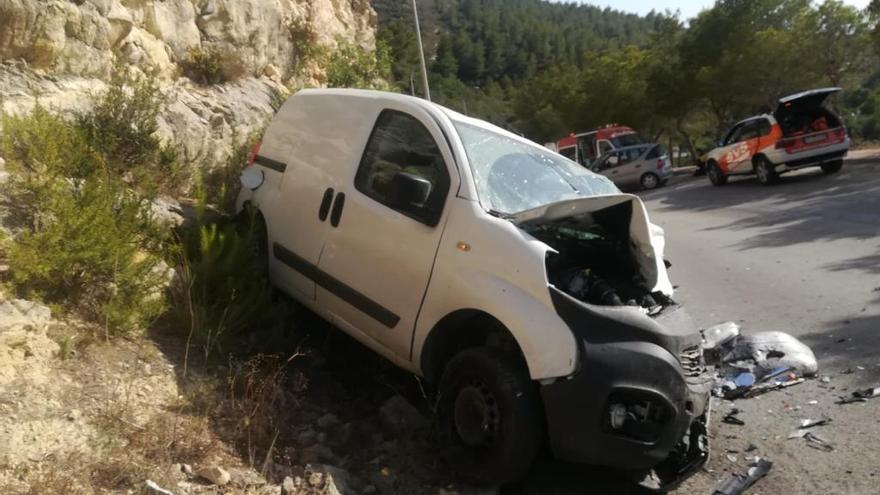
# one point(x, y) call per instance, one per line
point(490, 416)
point(832, 167)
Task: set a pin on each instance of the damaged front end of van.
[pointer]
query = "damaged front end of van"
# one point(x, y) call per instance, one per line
point(639, 400)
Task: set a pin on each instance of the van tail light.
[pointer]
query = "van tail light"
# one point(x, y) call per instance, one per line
point(661, 163)
point(252, 154)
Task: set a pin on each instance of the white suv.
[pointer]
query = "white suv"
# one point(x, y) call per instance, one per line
point(528, 289)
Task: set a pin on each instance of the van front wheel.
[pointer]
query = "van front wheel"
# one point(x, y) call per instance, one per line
point(490, 416)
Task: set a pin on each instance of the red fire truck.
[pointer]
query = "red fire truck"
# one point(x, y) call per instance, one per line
point(585, 147)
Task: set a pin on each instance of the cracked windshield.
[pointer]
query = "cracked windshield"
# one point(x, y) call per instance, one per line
point(439, 247)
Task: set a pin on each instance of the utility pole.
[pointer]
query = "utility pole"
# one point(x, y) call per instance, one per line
point(421, 52)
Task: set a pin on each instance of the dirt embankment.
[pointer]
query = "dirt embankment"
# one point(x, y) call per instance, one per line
point(82, 415)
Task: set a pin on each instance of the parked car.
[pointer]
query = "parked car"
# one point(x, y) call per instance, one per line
point(585, 147)
point(645, 165)
point(530, 291)
point(800, 133)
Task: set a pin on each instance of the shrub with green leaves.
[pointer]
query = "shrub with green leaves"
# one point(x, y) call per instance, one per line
point(84, 239)
point(203, 65)
point(123, 121)
point(352, 66)
point(222, 294)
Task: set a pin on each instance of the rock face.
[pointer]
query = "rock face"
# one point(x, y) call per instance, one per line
point(60, 52)
point(82, 37)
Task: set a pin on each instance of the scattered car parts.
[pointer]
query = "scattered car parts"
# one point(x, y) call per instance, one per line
point(748, 365)
point(738, 483)
point(861, 395)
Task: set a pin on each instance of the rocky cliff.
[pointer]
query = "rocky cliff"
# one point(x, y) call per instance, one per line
point(59, 52)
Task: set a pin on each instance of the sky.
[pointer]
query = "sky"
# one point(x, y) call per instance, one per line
point(688, 8)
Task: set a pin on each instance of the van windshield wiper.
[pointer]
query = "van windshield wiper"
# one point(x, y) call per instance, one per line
point(500, 214)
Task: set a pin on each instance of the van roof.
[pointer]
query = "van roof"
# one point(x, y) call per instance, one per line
point(412, 100)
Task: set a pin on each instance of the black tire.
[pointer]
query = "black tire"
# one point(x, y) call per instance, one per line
point(765, 171)
point(716, 176)
point(650, 181)
point(832, 167)
point(491, 420)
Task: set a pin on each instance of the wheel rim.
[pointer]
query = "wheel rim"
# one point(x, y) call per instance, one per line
point(761, 170)
point(649, 182)
point(476, 415)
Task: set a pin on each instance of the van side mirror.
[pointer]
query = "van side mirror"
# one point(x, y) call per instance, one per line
point(409, 192)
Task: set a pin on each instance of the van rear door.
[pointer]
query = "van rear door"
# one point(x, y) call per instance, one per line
point(298, 216)
point(380, 251)
point(804, 100)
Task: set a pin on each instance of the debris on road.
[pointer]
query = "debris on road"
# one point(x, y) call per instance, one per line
point(814, 440)
point(810, 423)
point(738, 483)
point(732, 419)
point(861, 395)
point(714, 338)
point(748, 365)
point(807, 424)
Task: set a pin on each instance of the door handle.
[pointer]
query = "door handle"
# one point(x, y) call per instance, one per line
point(338, 205)
point(325, 204)
point(639, 166)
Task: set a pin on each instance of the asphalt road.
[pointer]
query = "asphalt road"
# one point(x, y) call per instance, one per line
point(802, 257)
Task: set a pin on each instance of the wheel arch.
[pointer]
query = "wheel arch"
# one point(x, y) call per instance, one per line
point(464, 329)
point(758, 157)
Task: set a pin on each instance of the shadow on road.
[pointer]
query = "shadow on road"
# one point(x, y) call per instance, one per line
point(807, 206)
point(843, 346)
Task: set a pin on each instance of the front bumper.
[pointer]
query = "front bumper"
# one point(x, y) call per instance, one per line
point(626, 357)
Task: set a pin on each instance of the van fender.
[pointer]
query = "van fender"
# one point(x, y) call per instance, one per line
point(547, 344)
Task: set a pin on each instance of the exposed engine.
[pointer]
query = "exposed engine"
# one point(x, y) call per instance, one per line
point(595, 261)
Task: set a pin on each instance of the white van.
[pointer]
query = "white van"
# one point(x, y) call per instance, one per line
point(529, 290)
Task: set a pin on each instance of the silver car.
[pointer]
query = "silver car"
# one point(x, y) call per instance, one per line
point(645, 165)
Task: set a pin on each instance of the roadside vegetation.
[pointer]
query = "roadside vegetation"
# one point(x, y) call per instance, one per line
point(81, 233)
point(546, 69)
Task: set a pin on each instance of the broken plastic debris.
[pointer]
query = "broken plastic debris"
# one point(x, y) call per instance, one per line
point(715, 337)
point(817, 442)
point(809, 423)
point(731, 419)
point(771, 350)
point(738, 483)
point(861, 395)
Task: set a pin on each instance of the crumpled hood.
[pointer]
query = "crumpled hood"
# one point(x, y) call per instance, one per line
point(648, 239)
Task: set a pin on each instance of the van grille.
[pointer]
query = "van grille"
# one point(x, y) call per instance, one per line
point(691, 360)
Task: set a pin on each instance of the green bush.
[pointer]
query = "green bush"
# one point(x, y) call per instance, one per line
point(203, 65)
point(222, 295)
point(123, 121)
point(84, 239)
point(352, 66)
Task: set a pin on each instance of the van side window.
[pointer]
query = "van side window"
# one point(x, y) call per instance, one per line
point(401, 144)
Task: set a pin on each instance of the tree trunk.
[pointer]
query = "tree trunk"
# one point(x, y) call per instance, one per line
point(679, 126)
